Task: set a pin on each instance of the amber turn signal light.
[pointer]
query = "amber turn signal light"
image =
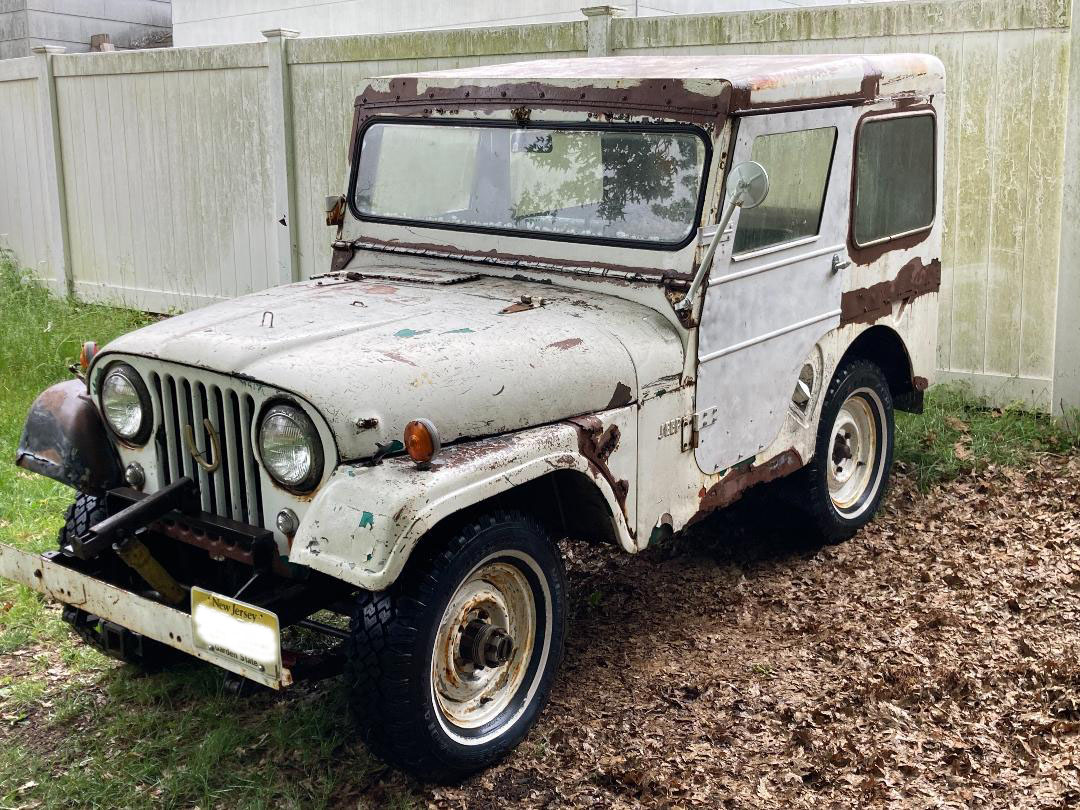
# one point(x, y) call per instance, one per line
point(86, 354)
point(422, 441)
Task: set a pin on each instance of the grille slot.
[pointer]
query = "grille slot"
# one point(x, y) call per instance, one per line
point(233, 489)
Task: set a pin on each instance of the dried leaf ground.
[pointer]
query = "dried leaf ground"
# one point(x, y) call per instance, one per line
point(931, 661)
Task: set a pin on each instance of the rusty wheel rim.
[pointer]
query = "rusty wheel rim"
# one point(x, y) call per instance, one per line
point(856, 447)
point(467, 696)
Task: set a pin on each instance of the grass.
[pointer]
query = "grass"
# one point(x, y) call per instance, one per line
point(40, 335)
point(959, 433)
point(79, 730)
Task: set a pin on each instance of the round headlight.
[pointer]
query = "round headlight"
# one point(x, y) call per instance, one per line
point(125, 402)
point(290, 447)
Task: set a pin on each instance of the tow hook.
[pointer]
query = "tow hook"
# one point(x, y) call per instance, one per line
point(485, 645)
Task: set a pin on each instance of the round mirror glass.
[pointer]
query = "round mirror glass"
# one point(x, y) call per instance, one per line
point(748, 184)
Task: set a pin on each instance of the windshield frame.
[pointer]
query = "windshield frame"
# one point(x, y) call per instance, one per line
point(639, 244)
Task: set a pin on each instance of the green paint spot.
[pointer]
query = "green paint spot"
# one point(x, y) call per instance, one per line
point(462, 331)
point(367, 521)
point(407, 333)
point(396, 446)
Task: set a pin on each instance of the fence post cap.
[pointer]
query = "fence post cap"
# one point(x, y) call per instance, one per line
point(603, 11)
point(285, 33)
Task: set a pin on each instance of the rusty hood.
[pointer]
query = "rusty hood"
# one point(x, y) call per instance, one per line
point(477, 355)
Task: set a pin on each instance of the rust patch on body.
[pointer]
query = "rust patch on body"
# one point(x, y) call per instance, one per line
point(733, 485)
point(869, 304)
point(671, 97)
point(445, 251)
point(621, 396)
point(399, 358)
point(742, 94)
point(597, 445)
point(563, 345)
point(470, 451)
point(920, 383)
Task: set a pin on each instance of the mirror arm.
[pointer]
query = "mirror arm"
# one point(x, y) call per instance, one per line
point(706, 262)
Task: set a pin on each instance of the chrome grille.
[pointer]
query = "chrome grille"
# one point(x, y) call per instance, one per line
point(232, 490)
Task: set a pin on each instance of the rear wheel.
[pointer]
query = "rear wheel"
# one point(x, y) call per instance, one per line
point(450, 667)
point(108, 638)
point(844, 484)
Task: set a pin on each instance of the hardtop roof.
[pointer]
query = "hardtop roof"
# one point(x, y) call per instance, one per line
point(748, 81)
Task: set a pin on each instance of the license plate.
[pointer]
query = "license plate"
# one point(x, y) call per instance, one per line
point(245, 634)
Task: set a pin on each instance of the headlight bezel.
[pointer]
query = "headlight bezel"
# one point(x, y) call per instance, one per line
point(146, 422)
point(295, 413)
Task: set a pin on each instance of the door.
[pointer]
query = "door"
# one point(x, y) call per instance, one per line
point(775, 286)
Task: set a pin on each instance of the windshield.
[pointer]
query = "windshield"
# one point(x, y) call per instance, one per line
point(600, 184)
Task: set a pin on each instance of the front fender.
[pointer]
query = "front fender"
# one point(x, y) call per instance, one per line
point(66, 440)
point(365, 521)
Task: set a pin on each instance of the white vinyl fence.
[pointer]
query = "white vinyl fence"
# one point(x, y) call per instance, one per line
point(168, 179)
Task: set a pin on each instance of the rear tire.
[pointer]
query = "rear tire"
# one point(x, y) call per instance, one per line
point(86, 511)
point(416, 689)
point(843, 485)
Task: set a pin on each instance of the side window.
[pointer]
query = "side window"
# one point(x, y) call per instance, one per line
point(798, 165)
point(894, 178)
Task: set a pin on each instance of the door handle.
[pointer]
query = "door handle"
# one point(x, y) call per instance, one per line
point(838, 264)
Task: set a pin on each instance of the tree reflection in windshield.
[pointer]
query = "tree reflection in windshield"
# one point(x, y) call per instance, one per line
point(606, 183)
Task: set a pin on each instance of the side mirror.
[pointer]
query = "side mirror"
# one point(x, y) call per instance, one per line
point(747, 187)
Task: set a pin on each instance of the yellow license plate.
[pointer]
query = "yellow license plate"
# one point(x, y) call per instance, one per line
point(244, 634)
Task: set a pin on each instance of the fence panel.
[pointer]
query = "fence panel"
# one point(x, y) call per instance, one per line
point(23, 221)
point(167, 175)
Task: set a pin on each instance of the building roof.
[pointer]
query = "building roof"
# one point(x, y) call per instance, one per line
point(738, 82)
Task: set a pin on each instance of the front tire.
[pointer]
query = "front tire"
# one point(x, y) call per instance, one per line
point(450, 667)
point(86, 511)
point(845, 482)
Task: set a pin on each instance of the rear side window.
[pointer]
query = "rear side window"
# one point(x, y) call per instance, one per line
point(894, 178)
point(798, 165)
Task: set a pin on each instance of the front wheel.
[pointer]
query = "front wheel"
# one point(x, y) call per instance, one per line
point(108, 638)
point(845, 482)
point(450, 667)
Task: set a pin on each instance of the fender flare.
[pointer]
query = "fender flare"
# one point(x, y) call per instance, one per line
point(365, 521)
point(65, 439)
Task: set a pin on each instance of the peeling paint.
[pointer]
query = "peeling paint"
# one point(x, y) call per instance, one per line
point(622, 395)
point(872, 303)
point(563, 345)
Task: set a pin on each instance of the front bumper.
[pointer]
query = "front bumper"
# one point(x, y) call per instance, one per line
point(45, 574)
